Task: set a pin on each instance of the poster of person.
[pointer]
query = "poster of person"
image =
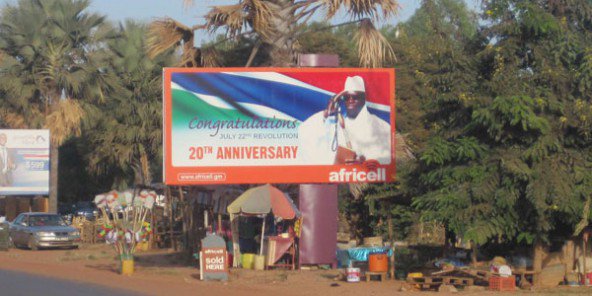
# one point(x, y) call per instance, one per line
point(24, 162)
point(278, 125)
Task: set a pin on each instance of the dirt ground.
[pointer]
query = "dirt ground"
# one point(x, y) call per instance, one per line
point(160, 272)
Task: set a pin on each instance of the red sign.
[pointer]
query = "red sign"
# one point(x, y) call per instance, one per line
point(213, 261)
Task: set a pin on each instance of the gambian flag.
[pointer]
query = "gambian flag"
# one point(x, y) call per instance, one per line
point(289, 96)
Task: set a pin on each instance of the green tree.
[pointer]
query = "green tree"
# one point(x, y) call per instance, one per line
point(512, 162)
point(52, 66)
point(126, 131)
point(434, 67)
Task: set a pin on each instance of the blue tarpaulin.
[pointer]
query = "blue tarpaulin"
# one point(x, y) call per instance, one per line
point(344, 257)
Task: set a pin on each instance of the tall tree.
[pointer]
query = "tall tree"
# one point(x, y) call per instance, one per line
point(278, 24)
point(126, 131)
point(52, 66)
point(541, 53)
point(512, 162)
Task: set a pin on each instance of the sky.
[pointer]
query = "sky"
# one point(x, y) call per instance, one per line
point(148, 10)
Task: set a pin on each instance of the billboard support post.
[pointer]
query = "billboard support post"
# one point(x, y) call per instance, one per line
point(318, 203)
point(53, 176)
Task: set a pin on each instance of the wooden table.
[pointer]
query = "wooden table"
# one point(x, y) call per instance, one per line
point(277, 247)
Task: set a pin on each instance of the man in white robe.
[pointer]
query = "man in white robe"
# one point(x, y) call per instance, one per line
point(7, 164)
point(365, 134)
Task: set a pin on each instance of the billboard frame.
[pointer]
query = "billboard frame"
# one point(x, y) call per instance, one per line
point(195, 175)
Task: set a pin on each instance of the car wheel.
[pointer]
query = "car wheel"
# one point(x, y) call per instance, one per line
point(32, 244)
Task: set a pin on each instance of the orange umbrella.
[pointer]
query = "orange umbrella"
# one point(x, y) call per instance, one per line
point(262, 200)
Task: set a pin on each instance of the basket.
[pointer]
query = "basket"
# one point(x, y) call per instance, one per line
point(373, 241)
point(497, 283)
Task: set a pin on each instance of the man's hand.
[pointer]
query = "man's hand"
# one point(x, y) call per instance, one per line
point(332, 106)
point(358, 160)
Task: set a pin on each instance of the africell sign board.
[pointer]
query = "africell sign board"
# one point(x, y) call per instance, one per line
point(213, 258)
point(24, 162)
point(278, 125)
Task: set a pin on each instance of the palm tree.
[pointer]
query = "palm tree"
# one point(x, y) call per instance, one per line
point(277, 24)
point(128, 133)
point(51, 69)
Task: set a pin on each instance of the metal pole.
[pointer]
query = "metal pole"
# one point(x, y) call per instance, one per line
point(262, 237)
point(584, 253)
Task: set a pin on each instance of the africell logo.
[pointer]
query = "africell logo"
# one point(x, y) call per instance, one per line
point(358, 176)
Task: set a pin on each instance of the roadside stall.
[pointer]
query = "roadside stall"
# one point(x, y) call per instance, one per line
point(261, 201)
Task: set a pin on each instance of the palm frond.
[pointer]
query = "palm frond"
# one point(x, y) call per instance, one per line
point(261, 15)
point(164, 34)
point(230, 16)
point(11, 119)
point(373, 48)
point(65, 121)
point(363, 8)
point(189, 56)
point(210, 57)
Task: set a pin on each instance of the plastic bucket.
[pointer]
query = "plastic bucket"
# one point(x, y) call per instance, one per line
point(352, 274)
point(378, 262)
point(259, 262)
point(127, 267)
point(587, 280)
point(247, 260)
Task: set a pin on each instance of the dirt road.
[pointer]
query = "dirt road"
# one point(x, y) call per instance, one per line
point(162, 273)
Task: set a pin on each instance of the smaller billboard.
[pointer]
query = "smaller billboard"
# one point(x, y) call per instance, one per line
point(24, 162)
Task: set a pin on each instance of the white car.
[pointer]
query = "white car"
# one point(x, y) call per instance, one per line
point(36, 230)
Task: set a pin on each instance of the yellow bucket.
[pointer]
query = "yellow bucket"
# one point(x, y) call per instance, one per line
point(247, 261)
point(127, 267)
point(259, 262)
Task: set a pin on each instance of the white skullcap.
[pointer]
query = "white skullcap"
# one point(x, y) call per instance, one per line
point(353, 84)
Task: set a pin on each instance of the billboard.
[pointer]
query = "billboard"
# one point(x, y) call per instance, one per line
point(278, 125)
point(24, 162)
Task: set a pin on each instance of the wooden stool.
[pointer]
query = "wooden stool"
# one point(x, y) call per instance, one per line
point(381, 275)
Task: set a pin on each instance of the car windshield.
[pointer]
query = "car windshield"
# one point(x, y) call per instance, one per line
point(46, 220)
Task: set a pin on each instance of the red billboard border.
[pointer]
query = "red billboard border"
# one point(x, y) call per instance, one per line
point(263, 174)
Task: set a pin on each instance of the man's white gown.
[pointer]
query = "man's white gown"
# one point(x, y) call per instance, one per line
point(369, 135)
